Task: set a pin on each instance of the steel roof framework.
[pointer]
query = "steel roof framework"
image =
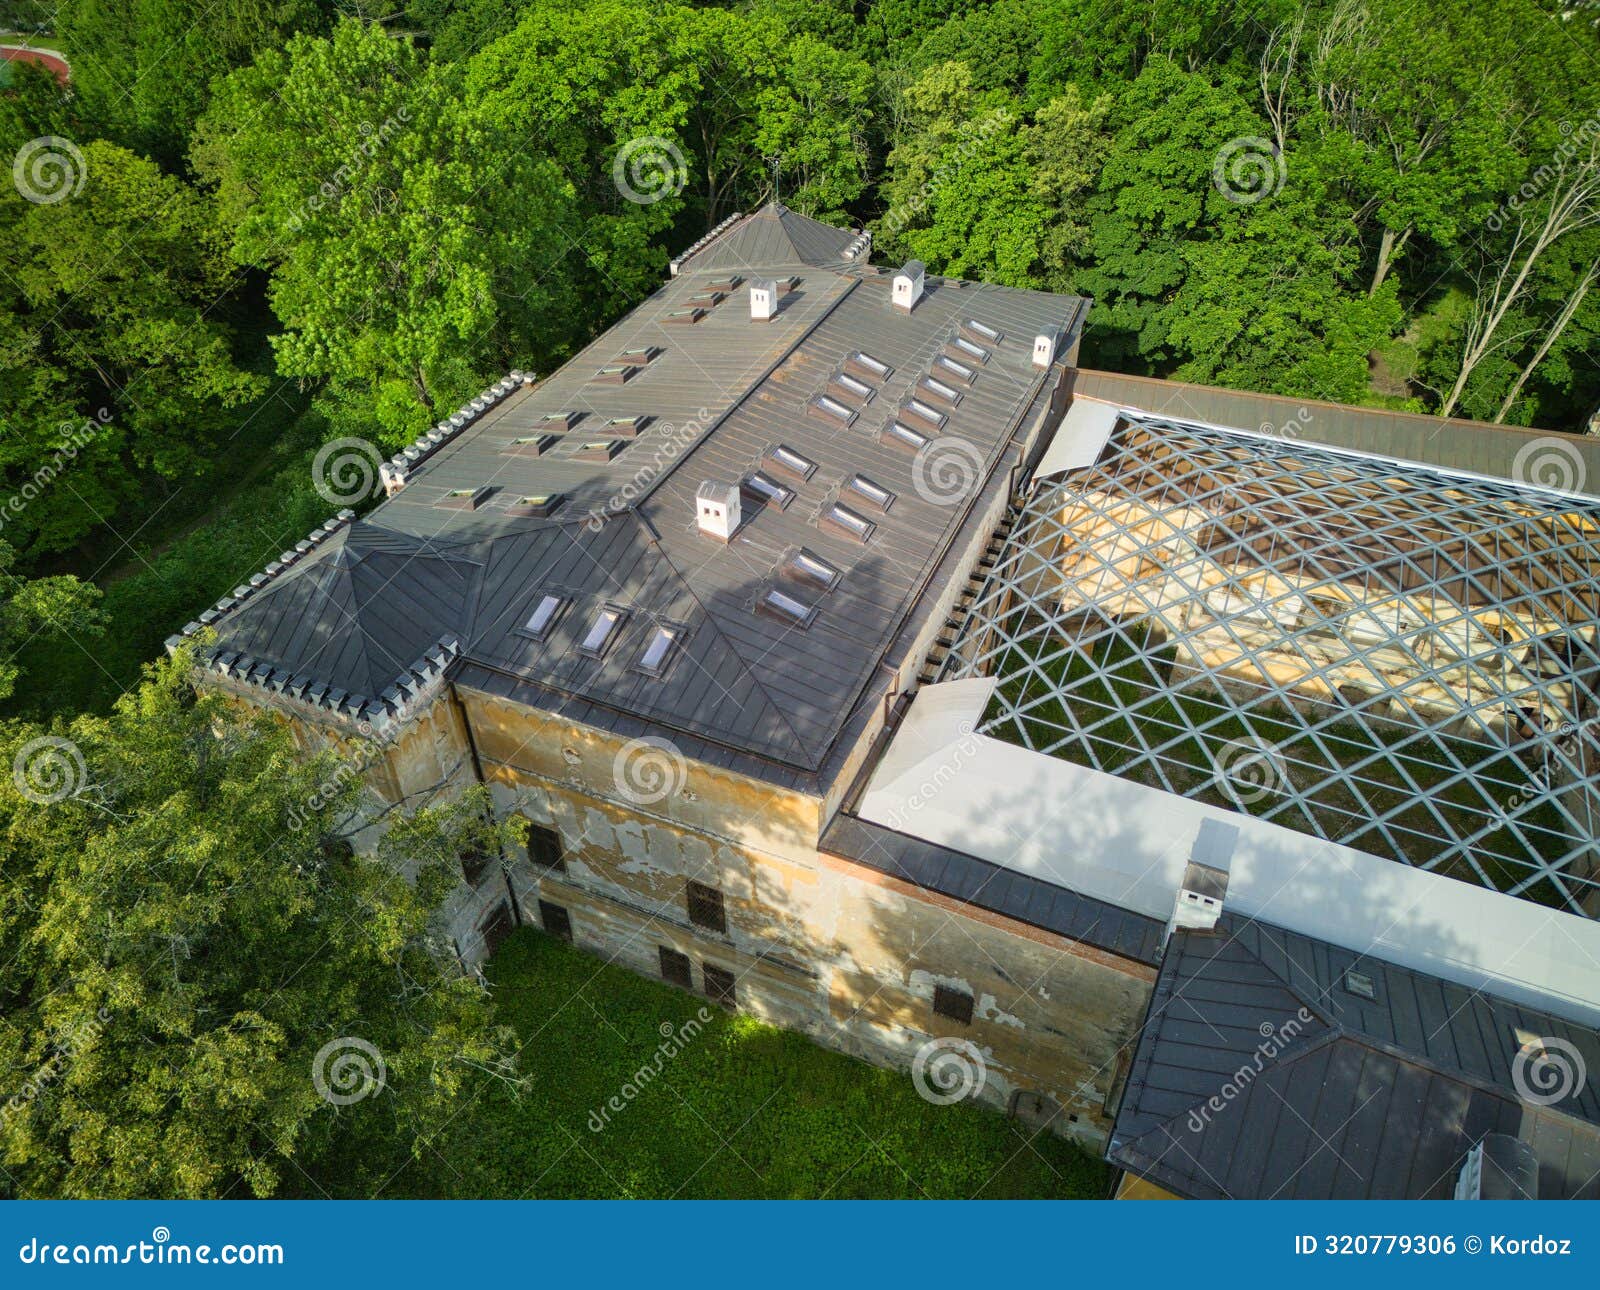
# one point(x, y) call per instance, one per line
point(1402, 660)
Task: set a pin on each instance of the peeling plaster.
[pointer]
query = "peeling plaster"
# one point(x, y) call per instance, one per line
point(988, 1008)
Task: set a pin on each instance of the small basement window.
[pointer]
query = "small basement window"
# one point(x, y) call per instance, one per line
point(769, 489)
point(706, 907)
point(660, 649)
point(675, 968)
point(954, 1004)
point(721, 984)
point(788, 608)
point(557, 922)
point(543, 617)
point(848, 522)
point(906, 435)
point(786, 458)
point(872, 492)
point(814, 567)
point(601, 630)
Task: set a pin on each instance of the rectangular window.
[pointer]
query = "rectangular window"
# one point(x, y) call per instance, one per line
point(814, 567)
point(544, 846)
point(658, 653)
point(966, 348)
point(721, 984)
point(706, 908)
point(474, 864)
point(675, 968)
point(768, 489)
point(786, 458)
point(921, 411)
point(849, 387)
point(954, 1004)
point(601, 631)
point(543, 617)
point(875, 493)
point(939, 390)
point(831, 410)
point(557, 922)
point(788, 608)
point(906, 435)
point(848, 522)
point(874, 369)
point(981, 331)
point(959, 371)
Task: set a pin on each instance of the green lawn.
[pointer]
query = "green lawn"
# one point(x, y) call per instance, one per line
point(743, 1110)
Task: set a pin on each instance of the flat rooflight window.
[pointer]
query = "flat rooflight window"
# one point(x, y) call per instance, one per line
point(849, 383)
point(543, 616)
point(1360, 984)
point(987, 332)
point(601, 631)
point(867, 363)
point(970, 348)
point(857, 526)
point(770, 489)
point(814, 567)
point(932, 415)
point(787, 458)
point(940, 390)
point(875, 493)
point(832, 410)
point(906, 435)
point(787, 607)
point(663, 641)
point(958, 370)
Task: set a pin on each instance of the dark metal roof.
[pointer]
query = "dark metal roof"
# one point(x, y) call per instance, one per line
point(1452, 443)
point(1260, 1073)
point(720, 393)
point(989, 886)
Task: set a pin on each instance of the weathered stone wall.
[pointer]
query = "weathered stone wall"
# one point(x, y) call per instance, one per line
point(817, 944)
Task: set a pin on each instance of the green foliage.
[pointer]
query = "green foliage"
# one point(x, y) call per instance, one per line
point(735, 1108)
point(185, 936)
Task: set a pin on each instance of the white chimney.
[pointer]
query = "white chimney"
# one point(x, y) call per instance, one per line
point(1044, 346)
point(717, 509)
point(908, 284)
point(763, 299)
point(1205, 878)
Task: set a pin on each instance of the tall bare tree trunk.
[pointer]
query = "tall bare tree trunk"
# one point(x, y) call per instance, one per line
point(1550, 338)
point(1389, 248)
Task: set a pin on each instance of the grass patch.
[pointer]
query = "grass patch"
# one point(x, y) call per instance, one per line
point(744, 1110)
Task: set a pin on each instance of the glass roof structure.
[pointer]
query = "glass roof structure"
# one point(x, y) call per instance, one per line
point(1387, 656)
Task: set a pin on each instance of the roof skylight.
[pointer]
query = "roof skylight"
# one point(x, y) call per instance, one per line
point(543, 617)
point(766, 487)
point(788, 608)
point(805, 564)
point(601, 630)
point(786, 458)
point(832, 410)
point(873, 492)
point(874, 369)
point(906, 435)
point(843, 518)
point(659, 651)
